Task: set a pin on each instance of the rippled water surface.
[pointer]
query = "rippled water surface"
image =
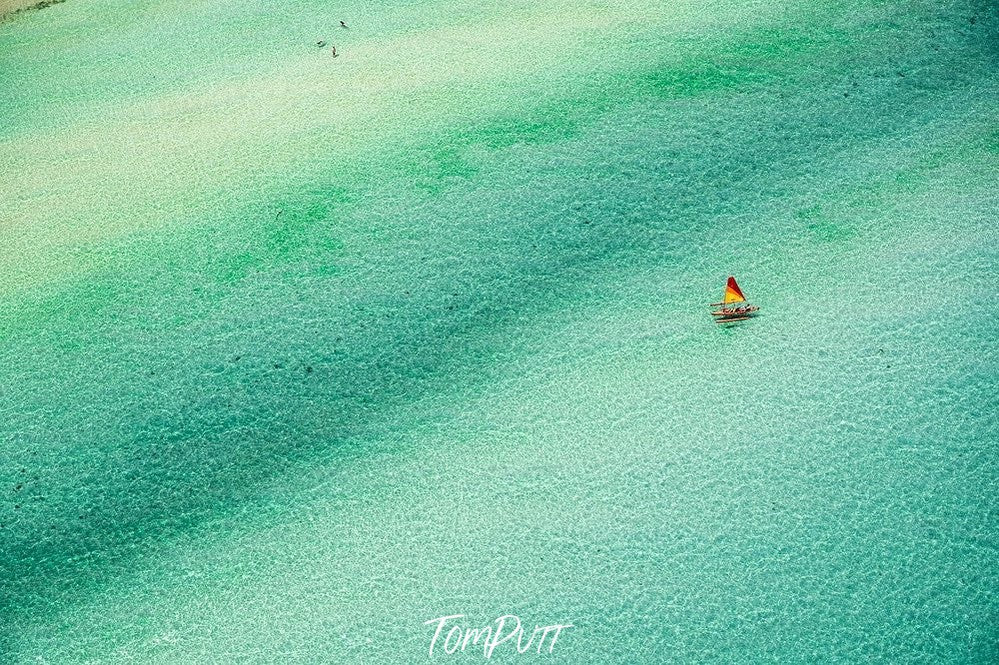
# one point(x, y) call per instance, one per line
point(298, 352)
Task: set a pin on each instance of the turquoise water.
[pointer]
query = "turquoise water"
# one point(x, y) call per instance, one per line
point(299, 353)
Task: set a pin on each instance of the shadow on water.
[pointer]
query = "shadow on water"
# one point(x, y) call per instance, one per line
point(212, 450)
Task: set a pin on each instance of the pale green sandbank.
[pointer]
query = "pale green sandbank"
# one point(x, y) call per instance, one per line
point(297, 353)
point(12, 6)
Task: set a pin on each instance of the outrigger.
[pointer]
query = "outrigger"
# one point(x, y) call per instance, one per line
point(730, 310)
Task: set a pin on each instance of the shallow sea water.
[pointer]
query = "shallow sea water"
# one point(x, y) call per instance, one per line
point(298, 353)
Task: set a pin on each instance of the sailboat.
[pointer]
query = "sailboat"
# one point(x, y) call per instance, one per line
point(733, 306)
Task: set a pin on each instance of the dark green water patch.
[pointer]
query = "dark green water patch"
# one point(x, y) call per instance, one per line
point(706, 68)
point(823, 58)
point(299, 230)
point(697, 79)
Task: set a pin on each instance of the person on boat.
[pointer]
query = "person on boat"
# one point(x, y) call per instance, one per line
point(334, 51)
point(321, 43)
point(342, 24)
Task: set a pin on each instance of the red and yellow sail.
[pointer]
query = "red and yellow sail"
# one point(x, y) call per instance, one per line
point(733, 293)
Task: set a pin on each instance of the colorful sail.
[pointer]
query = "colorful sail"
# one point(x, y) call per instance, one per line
point(733, 293)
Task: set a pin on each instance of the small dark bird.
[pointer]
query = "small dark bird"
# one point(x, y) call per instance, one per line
point(342, 24)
